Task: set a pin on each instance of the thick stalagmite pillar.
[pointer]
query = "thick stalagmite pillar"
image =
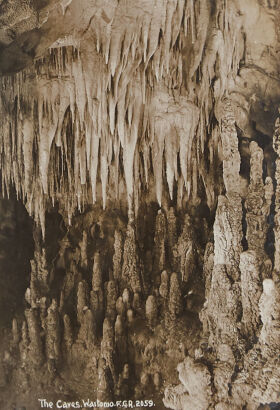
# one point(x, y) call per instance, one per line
point(258, 201)
point(276, 146)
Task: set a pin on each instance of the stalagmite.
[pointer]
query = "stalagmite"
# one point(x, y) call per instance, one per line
point(270, 317)
point(16, 334)
point(97, 273)
point(160, 241)
point(139, 137)
point(120, 338)
point(68, 334)
point(227, 244)
point(276, 147)
point(130, 269)
point(83, 247)
point(258, 201)
point(228, 233)
point(36, 346)
point(208, 267)
point(87, 333)
point(184, 251)
point(151, 310)
point(24, 343)
point(195, 390)
point(107, 346)
point(175, 303)
point(104, 390)
point(117, 258)
point(130, 316)
point(120, 306)
point(251, 290)
point(126, 298)
point(81, 301)
point(231, 156)
point(171, 232)
point(164, 285)
point(136, 303)
point(111, 299)
point(53, 332)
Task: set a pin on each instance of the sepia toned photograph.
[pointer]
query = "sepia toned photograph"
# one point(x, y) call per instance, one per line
point(140, 204)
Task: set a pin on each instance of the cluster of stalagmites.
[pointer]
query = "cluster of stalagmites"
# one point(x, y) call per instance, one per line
point(99, 322)
point(237, 363)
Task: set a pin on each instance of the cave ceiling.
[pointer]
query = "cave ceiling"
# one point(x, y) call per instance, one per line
point(158, 67)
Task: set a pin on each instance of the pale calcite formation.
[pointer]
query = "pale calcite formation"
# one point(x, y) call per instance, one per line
point(240, 343)
point(276, 147)
point(147, 129)
point(123, 114)
point(258, 201)
point(195, 391)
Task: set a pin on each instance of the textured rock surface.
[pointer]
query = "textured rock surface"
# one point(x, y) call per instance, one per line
point(143, 139)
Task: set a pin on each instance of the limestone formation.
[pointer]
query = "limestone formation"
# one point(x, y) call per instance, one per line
point(185, 251)
point(117, 258)
point(175, 303)
point(140, 203)
point(130, 269)
point(151, 310)
point(160, 241)
point(53, 332)
point(36, 346)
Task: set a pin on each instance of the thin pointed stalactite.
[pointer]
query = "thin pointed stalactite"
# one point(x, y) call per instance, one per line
point(78, 119)
point(139, 136)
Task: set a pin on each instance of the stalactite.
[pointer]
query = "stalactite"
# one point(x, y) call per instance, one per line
point(143, 108)
point(176, 25)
